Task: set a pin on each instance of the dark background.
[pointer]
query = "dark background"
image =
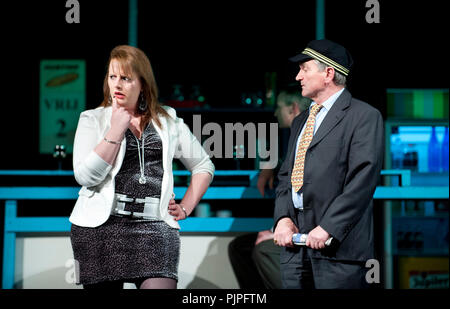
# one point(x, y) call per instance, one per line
point(224, 46)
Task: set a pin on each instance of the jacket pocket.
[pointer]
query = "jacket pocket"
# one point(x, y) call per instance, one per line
point(286, 254)
point(332, 144)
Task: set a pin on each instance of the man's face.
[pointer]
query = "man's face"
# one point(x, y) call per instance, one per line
point(311, 79)
point(284, 114)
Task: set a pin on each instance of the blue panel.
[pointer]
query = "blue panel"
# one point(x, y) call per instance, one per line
point(39, 224)
point(35, 173)
point(225, 224)
point(225, 193)
point(39, 193)
point(212, 224)
point(9, 260)
point(404, 174)
point(9, 247)
point(70, 193)
point(408, 193)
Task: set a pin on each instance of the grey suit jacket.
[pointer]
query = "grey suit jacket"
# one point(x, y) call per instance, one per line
point(342, 168)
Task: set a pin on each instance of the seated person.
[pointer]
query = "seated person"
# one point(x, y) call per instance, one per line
point(254, 257)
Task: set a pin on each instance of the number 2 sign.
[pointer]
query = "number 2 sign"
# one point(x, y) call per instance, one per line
point(62, 99)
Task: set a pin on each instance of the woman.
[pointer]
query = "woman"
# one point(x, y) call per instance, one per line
point(124, 223)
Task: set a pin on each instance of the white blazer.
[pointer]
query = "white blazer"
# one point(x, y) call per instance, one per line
point(96, 197)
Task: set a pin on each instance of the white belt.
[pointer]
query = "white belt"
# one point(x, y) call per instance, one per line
point(151, 207)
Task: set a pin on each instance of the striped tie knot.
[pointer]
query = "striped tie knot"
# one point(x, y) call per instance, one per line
point(315, 109)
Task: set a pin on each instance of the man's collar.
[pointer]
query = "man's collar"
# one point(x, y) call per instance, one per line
point(330, 101)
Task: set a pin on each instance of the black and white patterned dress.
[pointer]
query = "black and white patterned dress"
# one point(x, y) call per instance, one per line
point(127, 248)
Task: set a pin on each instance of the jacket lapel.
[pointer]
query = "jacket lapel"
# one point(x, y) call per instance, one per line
point(333, 117)
point(164, 135)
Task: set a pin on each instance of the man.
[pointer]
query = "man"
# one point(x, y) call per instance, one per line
point(290, 104)
point(254, 257)
point(328, 178)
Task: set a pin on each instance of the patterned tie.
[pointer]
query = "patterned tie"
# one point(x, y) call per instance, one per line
point(297, 171)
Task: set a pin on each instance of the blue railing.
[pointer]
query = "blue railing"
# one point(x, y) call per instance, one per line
point(14, 224)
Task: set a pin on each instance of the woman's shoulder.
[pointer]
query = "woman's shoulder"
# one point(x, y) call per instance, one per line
point(96, 112)
point(99, 115)
point(171, 111)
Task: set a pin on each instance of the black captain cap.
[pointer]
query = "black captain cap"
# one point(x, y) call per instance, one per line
point(328, 52)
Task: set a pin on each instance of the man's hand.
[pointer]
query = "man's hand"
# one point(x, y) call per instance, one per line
point(317, 238)
point(283, 233)
point(265, 176)
point(263, 235)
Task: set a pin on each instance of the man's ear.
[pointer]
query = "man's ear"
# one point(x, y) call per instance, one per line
point(330, 74)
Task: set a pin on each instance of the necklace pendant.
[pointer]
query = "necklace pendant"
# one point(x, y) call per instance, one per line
point(142, 180)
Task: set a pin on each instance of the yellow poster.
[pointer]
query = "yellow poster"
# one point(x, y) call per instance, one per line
point(423, 273)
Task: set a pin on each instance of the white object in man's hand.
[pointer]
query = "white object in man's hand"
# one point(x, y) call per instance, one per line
point(300, 240)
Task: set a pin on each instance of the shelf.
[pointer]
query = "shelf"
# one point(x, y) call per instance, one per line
point(226, 110)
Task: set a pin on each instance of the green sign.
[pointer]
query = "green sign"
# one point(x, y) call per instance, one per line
point(62, 99)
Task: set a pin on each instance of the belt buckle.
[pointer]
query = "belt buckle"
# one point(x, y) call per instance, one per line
point(132, 205)
point(131, 215)
point(125, 204)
